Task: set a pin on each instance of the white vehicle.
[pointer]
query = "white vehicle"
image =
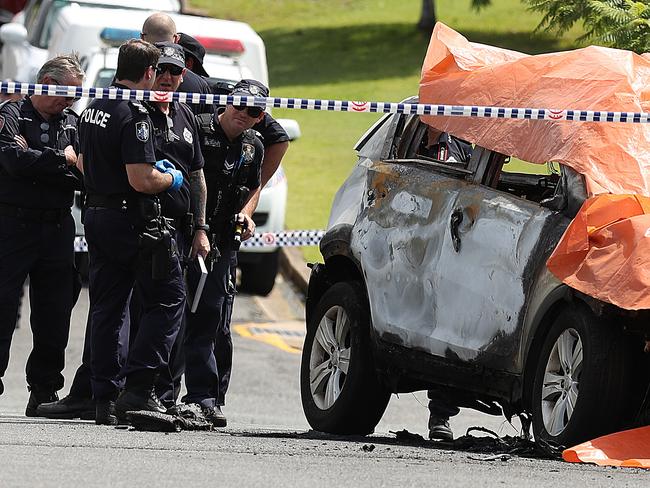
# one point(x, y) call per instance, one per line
point(259, 266)
point(26, 40)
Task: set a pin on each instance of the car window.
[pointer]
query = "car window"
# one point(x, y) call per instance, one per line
point(534, 182)
point(31, 15)
point(420, 142)
point(376, 143)
point(52, 15)
point(104, 77)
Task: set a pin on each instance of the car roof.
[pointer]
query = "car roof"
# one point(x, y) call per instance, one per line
point(159, 5)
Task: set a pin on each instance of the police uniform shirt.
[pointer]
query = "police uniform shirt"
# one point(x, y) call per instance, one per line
point(114, 133)
point(179, 143)
point(193, 83)
point(38, 177)
point(270, 131)
point(230, 163)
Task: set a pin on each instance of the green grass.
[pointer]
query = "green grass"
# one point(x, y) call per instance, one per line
point(356, 50)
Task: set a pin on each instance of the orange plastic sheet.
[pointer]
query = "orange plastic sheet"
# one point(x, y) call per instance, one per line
point(602, 259)
point(606, 250)
point(630, 448)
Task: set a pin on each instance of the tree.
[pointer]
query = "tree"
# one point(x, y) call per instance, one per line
point(428, 13)
point(624, 24)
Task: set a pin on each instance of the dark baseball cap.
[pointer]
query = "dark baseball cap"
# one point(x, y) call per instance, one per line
point(250, 88)
point(193, 48)
point(171, 53)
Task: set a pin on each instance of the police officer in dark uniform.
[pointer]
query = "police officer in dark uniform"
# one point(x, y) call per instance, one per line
point(233, 155)
point(38, 154)
point(160, 27)
point(130, 245)
point(175, 135)
point(177, 140)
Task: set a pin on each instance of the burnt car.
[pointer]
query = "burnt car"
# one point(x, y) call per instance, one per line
point(435, 276)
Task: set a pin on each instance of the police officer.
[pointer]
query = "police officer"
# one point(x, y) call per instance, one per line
point(175, 135)
point(176, 139)
point(38, 153)
point(160, 27)
point(130, 246)
point(233, 155)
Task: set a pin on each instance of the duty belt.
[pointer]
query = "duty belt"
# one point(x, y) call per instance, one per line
point(116, 202)
point(52, 215)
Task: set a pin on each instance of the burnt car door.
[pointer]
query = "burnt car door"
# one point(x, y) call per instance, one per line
point(400, 234)
point(503, 228)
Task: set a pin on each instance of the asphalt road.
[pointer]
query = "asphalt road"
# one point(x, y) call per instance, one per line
point(267, 441)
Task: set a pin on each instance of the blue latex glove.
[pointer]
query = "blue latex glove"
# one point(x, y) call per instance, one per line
point(178, 179)
point(163, 165)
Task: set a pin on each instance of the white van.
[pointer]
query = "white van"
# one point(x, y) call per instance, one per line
point(27, 38)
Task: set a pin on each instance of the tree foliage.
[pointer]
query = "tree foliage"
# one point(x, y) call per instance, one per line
point(624, 24)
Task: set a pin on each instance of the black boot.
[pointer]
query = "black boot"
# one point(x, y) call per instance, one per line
point(37, 396)
point(105, 413)
point(138, 395)
point(69, 407)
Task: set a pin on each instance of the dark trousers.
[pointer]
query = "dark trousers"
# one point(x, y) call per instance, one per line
point(81, 384)
point(208, 343)
point(441, 405)
point(44, 252)
point(116, 268)
point(168, 382)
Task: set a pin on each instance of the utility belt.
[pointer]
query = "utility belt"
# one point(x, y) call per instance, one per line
point(46, 215)
point(155, 232)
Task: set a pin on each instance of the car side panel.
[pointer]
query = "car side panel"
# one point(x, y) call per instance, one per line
point(397, 239)
point(490, 281)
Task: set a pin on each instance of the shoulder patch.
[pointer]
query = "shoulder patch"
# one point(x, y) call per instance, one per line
point(187, 135)
point(248, 153)
point(142, 131)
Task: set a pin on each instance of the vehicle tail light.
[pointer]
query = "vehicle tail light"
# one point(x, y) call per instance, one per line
point(218, 45)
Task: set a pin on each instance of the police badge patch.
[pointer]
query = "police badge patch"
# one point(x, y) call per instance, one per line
point(187, 135)
point(248, 152)
point(142, 131)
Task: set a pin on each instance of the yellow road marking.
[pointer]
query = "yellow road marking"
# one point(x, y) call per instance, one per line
point(287, 336)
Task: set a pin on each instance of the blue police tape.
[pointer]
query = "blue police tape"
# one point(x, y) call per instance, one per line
point(267, 239)
point(330, 105)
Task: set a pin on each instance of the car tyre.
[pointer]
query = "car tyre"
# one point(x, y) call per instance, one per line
point(340, 391)
point(259, 278)
point(582, 386)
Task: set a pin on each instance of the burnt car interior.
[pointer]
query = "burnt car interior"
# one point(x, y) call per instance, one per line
point(560, 189)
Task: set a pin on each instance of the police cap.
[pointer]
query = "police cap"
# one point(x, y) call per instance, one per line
point(250, 88)
point(171, 53)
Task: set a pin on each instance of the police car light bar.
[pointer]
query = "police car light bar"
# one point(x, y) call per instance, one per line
point(116, 36)
point(216, 45)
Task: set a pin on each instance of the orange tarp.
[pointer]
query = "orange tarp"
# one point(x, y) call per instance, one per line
point(630, 448)
point(601, 253)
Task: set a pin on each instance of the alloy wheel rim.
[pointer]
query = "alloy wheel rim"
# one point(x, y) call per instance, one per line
point(561, 381)
point(329, 361)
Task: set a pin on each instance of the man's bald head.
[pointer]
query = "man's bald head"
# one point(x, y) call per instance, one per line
point(159, 27)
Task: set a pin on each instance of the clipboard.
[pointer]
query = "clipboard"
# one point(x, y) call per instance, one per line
point(198, 291)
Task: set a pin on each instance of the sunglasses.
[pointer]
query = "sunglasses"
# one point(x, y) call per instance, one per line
point(69, 99)
point(251, 111)
point(172, 68)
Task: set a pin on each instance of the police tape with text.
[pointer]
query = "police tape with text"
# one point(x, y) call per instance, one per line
point(571, 115)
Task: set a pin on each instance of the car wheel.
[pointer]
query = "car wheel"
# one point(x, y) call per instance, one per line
point(581, 387)
point(259, 278)
point(341, 393)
